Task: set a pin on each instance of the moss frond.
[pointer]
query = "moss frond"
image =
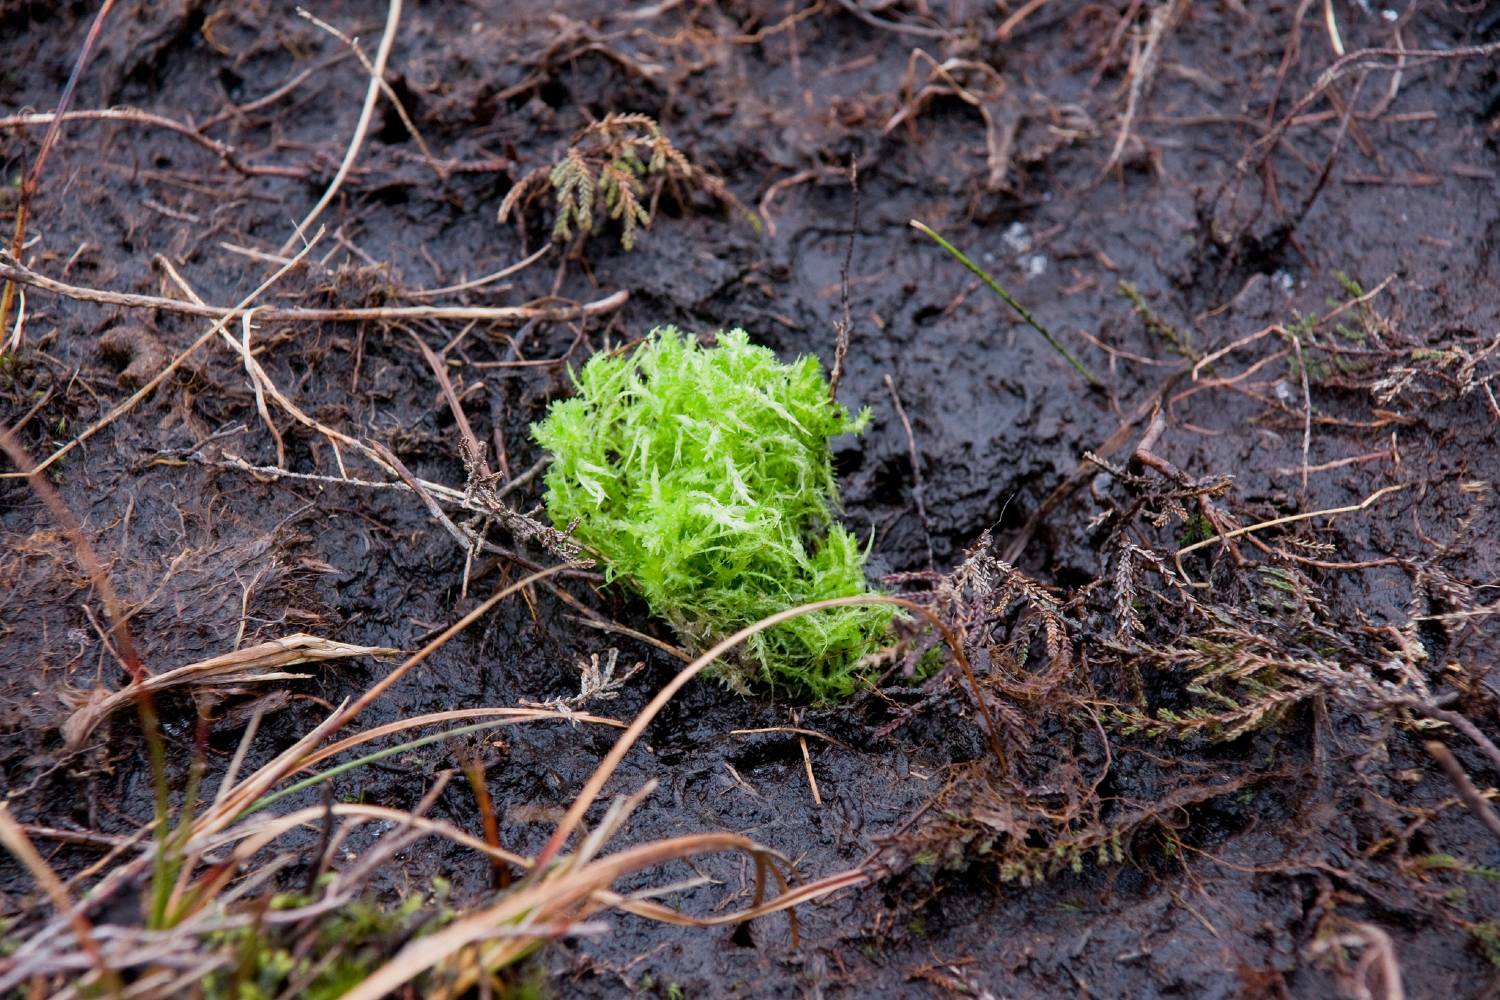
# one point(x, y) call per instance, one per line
point(703, 478)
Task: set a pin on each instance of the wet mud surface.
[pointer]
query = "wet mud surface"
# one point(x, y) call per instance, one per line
point(1233, 211)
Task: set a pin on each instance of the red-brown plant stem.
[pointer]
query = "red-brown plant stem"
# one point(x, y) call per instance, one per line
point(33, 179)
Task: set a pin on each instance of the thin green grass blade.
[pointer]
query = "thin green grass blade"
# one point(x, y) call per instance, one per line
point(370, 758)
point(1021, 311)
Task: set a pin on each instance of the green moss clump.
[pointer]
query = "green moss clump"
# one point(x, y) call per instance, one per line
point(702, 476)
point(343, 950)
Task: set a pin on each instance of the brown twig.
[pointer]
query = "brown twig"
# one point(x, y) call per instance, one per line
point(1466, 790)
point(34, 177)
point(1142, 75)
point(136, 116)
point(215, 330)
point(1276, 521)
point(918, 488)
point(844, 327)
point(11, 269)
point(372, 93)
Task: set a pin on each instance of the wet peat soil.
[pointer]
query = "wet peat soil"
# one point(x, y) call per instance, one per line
point(1157, 862)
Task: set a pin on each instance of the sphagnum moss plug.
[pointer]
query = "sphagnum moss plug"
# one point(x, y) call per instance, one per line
point(702, 477)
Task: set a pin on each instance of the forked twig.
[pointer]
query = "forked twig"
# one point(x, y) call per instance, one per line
point(377, 77)
point(217, 329)
point(385, 88)
point(1289, 519)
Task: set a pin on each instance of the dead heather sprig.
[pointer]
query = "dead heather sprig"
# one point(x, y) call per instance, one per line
point(1426, 377)
point(1165, 661)
point(1004, 619)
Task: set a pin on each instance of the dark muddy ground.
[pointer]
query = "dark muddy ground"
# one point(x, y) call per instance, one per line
point(1257, 866)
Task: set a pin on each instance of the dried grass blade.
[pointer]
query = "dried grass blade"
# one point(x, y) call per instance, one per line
point(243, 666)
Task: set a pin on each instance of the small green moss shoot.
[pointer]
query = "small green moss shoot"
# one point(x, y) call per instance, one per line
point(702, 477)
point(328, 961)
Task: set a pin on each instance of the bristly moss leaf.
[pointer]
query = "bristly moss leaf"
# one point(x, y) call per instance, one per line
point(702, 477)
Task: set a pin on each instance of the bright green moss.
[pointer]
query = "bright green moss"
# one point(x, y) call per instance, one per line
point(703, 478)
